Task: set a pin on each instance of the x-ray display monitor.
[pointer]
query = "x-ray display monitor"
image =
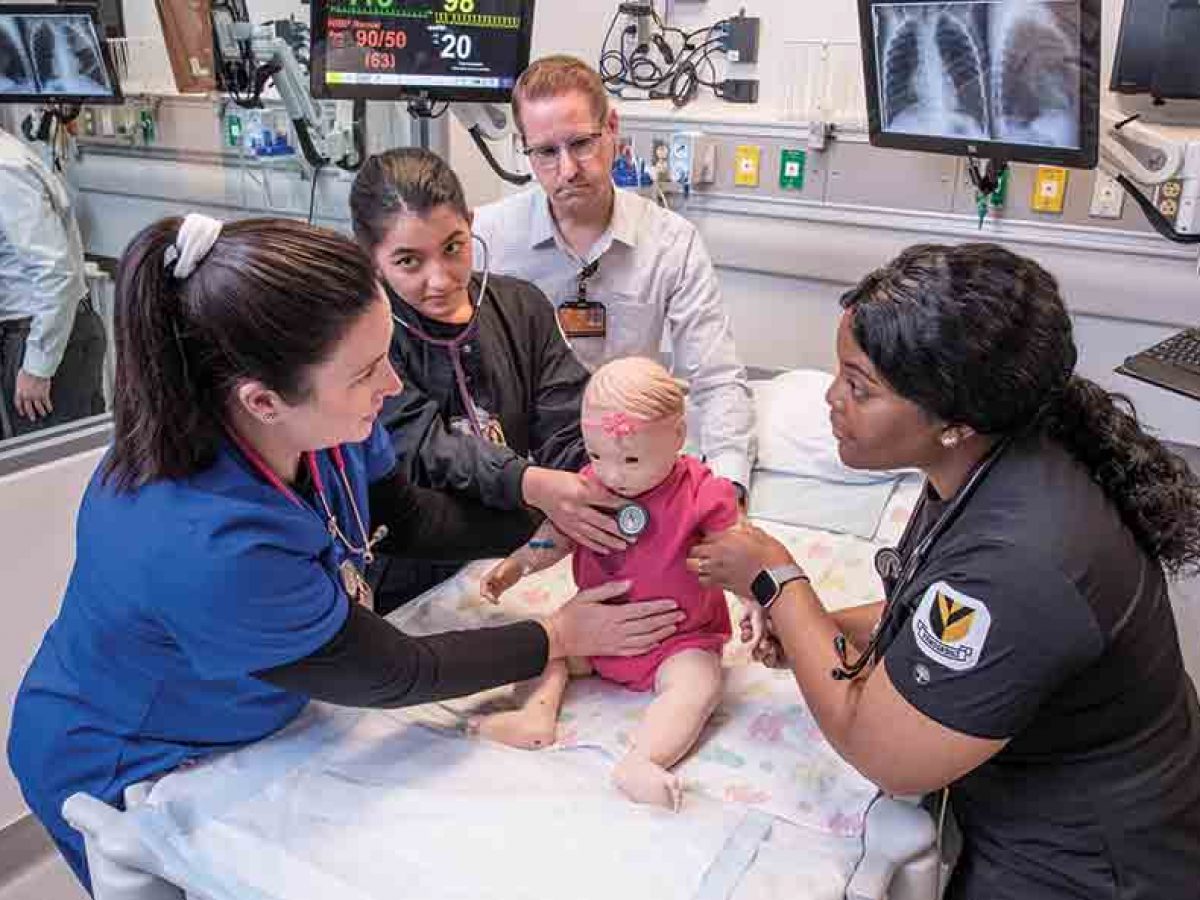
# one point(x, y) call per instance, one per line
point(1014, 80)
point(54, 54)
point(436, 49)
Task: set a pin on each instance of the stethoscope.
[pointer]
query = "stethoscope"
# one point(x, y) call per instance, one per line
point(897, 572)
point(454, 345)
point(353, 580)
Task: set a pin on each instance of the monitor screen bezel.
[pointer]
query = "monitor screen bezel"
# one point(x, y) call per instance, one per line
point(1084, 156)
point(323, 91)
point(48, 10)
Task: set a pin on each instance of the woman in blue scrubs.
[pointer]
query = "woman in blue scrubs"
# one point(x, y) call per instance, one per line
point(220, 545)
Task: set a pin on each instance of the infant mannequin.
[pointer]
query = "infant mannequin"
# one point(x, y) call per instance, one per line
point(633, 426)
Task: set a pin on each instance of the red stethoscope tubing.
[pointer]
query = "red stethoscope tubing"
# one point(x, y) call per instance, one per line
point(310, 459)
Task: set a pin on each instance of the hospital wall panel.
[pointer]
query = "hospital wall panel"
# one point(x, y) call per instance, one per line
point(37, 549)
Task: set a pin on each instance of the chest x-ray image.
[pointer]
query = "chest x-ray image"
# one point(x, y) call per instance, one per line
point(1004, 71)
point(51, 55)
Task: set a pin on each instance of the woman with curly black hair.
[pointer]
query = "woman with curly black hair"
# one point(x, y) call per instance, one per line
point(1027, 659)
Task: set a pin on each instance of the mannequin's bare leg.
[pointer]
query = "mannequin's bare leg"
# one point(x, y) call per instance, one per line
point(533, 726)
point(689, 689)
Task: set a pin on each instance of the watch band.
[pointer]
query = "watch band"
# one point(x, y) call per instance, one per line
point(778, 576)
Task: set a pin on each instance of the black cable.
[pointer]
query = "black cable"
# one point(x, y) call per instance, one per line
point(511, 177)
point(863, 850)
point(1157, 220)
point(359, 132)
point(678, 77)
point(312, 193)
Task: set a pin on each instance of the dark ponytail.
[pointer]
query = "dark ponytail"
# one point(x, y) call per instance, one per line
point(979, 336)
point(404, 181)
point(271, 299)
point(1156, 493)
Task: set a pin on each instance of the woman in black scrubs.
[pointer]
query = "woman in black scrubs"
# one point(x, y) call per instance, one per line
point(1028, 659)
point(490, 406)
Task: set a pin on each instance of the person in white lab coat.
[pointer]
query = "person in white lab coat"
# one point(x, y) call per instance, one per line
point(51, 339)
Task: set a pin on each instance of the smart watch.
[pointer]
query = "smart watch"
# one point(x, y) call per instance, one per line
point(768, 584)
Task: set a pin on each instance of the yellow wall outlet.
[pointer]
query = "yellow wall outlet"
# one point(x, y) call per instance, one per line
point(1049, 189)
point(747, 161)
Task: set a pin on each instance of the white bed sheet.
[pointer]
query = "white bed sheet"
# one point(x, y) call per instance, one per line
point(362, 804)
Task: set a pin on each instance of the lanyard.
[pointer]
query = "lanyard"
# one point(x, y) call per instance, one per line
point(365, 552)
point(897, 573)
point(585, 274)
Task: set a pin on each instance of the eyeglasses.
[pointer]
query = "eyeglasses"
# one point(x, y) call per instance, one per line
point(580, 148)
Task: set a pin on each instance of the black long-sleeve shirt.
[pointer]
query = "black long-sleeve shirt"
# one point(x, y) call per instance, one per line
point(520, 373)
point(371, 663)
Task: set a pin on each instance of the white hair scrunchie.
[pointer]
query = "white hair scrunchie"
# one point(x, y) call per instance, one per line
point(196, 237)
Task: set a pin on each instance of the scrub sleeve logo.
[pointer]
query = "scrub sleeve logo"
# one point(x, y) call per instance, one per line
point(950, 627)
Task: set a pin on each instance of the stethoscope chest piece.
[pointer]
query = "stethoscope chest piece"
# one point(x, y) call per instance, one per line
point(888, 564)
point(632, 520)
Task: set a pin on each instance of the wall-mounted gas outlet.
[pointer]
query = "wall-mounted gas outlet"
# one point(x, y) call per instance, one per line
point(1049, 190)
point(693, 158)
point(746, 164)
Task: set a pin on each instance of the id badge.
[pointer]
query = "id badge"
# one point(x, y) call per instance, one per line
point(583, 319)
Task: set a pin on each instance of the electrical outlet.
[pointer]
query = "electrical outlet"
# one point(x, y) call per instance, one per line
point(660, 160)
point(1167, 199)
point(747, 161)
point(1049, 189)
point(1108, 197)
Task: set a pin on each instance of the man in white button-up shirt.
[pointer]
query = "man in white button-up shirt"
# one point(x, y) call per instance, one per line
point(51, 341)
point(646, 265)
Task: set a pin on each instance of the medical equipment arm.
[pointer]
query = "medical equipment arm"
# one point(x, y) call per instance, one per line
point(266, 54)
point(1173, 154)
point(369, 663)
point(432, 525)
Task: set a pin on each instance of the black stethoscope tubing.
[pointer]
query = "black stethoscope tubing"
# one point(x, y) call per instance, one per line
point(898, 573)
point(453, 346)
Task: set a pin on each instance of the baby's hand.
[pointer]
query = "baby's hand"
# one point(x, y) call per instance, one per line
point(757, 632)
point(500, 578)
point(753, 624)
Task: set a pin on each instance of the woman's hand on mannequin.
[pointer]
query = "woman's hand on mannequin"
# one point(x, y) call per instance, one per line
point(733, 558)
point(574, 504)
point(588, 626)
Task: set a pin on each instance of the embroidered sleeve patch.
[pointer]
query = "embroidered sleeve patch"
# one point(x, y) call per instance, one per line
point(950, 627)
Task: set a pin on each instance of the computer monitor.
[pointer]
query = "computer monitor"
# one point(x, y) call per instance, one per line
point(54, 54)
point(1010, 80)
point(453, 50)
point(1158, 50)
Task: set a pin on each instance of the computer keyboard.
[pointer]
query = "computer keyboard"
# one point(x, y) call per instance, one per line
point(1181, 349)
point(1173, 364)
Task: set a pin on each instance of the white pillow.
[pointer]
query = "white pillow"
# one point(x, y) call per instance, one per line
point(794, 434)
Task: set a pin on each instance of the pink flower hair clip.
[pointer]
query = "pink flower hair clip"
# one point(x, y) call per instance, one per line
point(616, 425)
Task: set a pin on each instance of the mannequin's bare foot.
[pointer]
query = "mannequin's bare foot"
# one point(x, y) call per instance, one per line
point(643, 781)
point(521, 728)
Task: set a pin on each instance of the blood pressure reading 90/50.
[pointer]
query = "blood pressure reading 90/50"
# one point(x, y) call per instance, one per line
point(473, 44)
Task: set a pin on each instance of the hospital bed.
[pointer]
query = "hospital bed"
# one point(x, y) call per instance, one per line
point(368, 803)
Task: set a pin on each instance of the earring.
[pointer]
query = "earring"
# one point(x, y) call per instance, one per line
point(269, 417)
point(949, 441)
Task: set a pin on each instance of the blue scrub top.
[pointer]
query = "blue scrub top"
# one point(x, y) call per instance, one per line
point(180, 589)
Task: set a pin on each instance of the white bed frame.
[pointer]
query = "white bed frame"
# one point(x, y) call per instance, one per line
point(900, 859)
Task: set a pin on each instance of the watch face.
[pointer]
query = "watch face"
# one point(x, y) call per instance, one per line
point(763, 587)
